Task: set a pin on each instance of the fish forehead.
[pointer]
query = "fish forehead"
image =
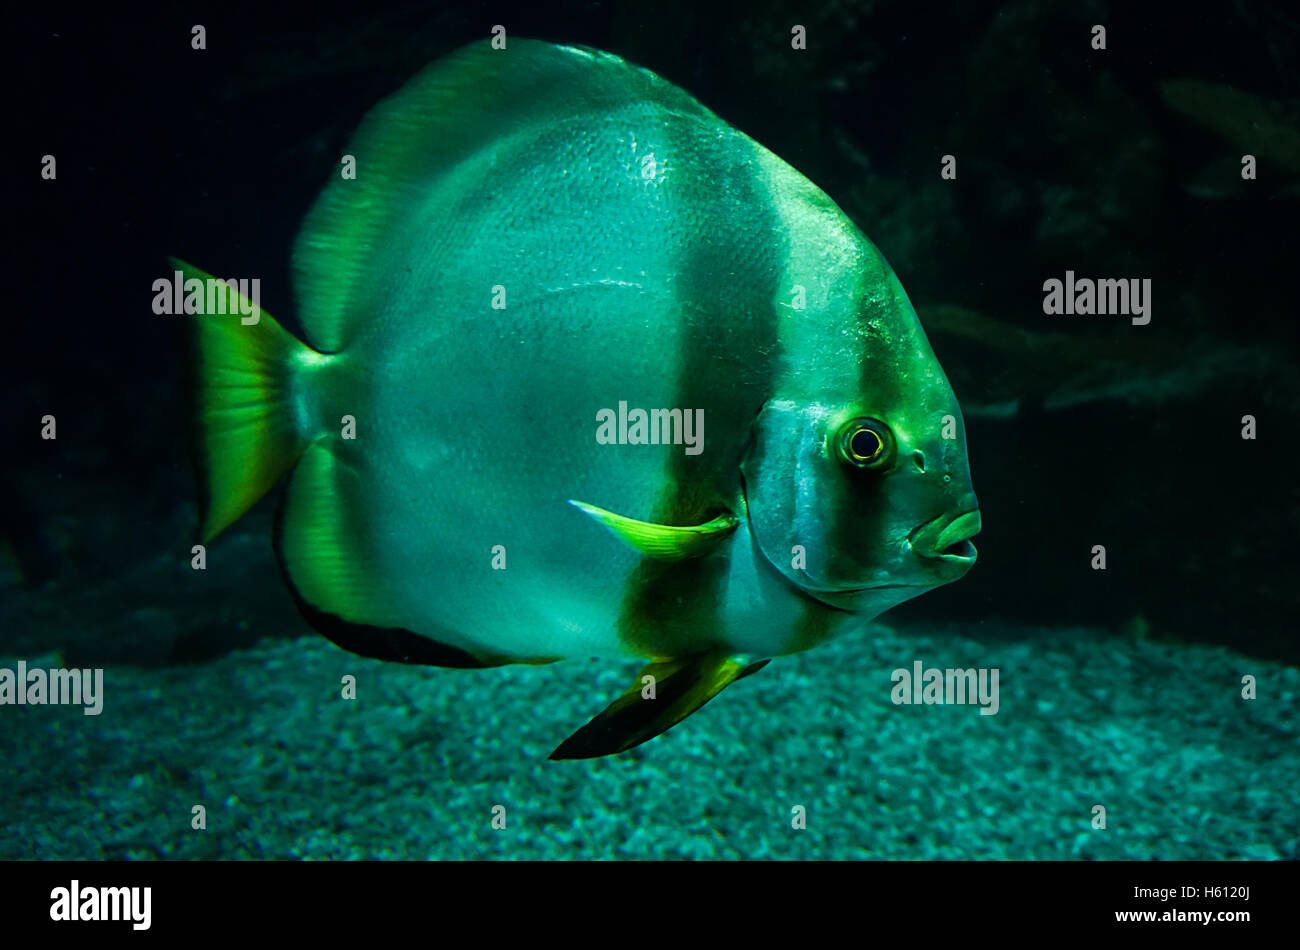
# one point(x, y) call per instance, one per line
point(862, 342)
point(847, 328)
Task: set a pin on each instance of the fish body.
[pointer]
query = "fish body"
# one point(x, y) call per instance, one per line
point(620, 382)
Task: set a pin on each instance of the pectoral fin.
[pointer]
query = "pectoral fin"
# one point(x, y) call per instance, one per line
point(661, 541)
point(680, 686)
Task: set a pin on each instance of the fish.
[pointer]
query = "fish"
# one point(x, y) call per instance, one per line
point(545, 252)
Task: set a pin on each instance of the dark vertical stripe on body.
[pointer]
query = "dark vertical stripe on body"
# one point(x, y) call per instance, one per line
point(817, 623)
point(858, 502)
point(728, 286)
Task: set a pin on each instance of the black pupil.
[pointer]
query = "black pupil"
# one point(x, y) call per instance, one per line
point(865, 444)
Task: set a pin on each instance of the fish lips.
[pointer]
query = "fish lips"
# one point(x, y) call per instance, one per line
point(946, 539)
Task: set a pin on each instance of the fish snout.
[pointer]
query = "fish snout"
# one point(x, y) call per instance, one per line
point(946, 539)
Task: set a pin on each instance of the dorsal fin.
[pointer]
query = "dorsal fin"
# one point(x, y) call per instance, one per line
point(413, 142)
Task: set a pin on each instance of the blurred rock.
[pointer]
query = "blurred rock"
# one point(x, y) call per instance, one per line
point(1003, 370)
point(1269, 129)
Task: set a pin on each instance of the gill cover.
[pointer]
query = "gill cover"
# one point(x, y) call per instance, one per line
point(803, 504)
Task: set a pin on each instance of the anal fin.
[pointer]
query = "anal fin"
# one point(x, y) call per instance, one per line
point(336, 579)
point(681, 686)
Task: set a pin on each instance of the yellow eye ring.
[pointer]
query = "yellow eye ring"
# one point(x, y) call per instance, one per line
point(867, 444)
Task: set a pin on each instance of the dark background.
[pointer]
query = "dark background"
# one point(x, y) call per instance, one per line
point(1068, 158)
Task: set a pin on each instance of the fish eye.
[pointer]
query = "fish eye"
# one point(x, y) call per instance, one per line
point(866, 443)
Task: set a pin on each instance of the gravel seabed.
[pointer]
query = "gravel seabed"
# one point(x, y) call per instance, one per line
point(412, 768)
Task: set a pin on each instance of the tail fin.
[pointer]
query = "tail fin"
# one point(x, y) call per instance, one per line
point(246, 435)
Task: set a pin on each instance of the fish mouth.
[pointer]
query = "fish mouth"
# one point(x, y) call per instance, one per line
point(947, 538)
point(943, 542)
